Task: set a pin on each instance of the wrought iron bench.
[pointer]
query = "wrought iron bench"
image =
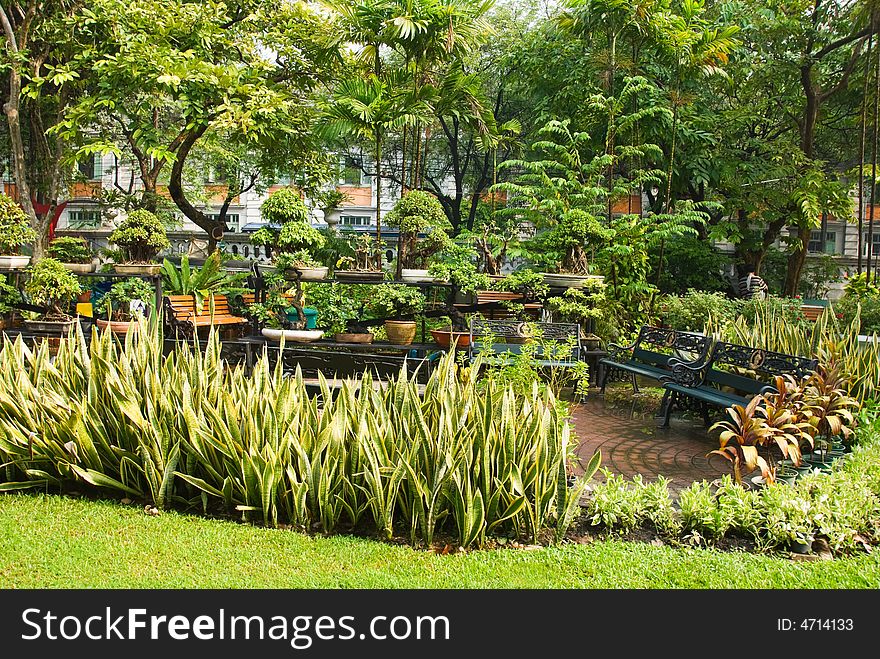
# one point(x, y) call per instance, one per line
point(499, 341)
point(651, 354)
point(182, 319)
point(731, 375)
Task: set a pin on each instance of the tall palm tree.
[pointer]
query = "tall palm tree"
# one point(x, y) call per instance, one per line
point(367, 109)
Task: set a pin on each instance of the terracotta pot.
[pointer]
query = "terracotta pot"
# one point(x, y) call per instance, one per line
point(401, 332)
point(353, 337)
point(117, 326)
point(443, 338)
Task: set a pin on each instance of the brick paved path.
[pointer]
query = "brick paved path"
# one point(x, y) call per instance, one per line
point(633, 444)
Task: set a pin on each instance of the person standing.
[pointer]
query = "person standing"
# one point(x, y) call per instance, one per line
point(751, 285)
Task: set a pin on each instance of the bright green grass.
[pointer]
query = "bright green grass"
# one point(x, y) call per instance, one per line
point(60, 542)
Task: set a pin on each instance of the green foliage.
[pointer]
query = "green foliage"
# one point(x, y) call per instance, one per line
point(457, 263)
point(690, 262)
point(68, 249)
point(115, 304)
point(140, 236)
point(416, 211)
point(288, 228)
point(9, 295)
point(696, 310)
point(199, 282)
point(15, 229)
point(340, 306)
point(184, 429)
point(284, 206)
point(395, 301)
point(528, 283)
point(579, 305)
point(866, 310)
point(52, 285)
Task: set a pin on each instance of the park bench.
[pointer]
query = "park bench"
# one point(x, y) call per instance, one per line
point(650, 355)
point(732, 374)
point(182, 318)
point(500, 341)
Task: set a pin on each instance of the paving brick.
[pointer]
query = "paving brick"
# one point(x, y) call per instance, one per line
point(634, 444)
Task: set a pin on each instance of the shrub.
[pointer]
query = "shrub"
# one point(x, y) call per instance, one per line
point(395, 301)
point(466, 461)
point(288, 228)
point(866, 308)
point(141, 237)
point(15, 230)
point(9, 295)
point(696, 310)
point(116, 304)
point(690, 263)
point(414, 212)
point(68, 249)
point(52, 285)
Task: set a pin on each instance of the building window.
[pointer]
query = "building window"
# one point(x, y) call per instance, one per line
point(356, 220)
point(816, 246)
point(83, 219)
point(351, 172)
point(90, 166)
point(875, 239)
point(232, 221)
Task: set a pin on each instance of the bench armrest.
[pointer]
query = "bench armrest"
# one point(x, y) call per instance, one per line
point(686, 374)
point(617, 352)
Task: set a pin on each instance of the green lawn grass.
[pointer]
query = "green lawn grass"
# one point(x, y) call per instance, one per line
point(62, 542)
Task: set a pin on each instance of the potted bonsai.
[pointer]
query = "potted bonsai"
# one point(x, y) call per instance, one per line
point(365, 265)
point(581, 306)
point(564, 249)
point(124, 305)
point(274, 318)
point(140, 237)
point(397, 304)
point(15, 231)
point(74, 254)
point(341, 311)
point(290, 236)
point(418, 212)
point(9, 296)
point(53, 286)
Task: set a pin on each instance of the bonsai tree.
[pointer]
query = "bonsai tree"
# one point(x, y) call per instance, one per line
point(367, 254)
point(566, 247)
point(392, 301)
point(53, 286)
point(141, 237)
point(68, 249)
point(127, 300)
point(287, 229)
point(580, 305)
point(414, 213)
point(15, 230)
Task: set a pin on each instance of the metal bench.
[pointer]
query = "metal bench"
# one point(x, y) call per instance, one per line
point(731, 375)
point(651, 354)
point(181, 316)
point(500, 341)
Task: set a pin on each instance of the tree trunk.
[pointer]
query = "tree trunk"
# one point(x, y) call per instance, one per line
point(13, 119)
point(214, 229)
point(863, 126)
point(796, 262)
point(379, 200)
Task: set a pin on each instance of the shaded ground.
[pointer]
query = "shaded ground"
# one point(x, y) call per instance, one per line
point(632, 443)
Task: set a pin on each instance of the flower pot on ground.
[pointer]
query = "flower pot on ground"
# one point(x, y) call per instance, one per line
point(74, 253)
point(140, 237)
point(15, 231)
point(54, 287)
point(124, 305)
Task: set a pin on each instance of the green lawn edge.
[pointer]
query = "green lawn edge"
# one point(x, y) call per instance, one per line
point(52, 541)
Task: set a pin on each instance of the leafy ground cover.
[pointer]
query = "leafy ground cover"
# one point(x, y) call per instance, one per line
point(49, 541)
